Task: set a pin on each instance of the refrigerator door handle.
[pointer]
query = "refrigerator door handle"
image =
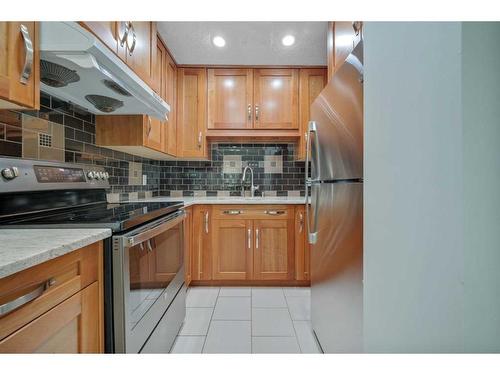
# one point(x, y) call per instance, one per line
point(312, 235)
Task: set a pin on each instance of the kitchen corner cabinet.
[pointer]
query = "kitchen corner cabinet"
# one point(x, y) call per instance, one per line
point(302, 247)
point(342, 37)
point(140, 135)
point(19, 65)
point(192, 111)
point(66, 316)
point(311, 83)
point(201, 254)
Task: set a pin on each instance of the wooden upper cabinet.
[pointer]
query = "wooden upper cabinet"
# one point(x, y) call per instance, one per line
point(276, 93)
point(158, 78)
point(342, 37)
point(232, 249)
point(312, 82)
point(230, 98)
point(171, 99)
point(19, 69)
point(105, 31)
point(141, 57)
point(192, 109)
point(274, 249)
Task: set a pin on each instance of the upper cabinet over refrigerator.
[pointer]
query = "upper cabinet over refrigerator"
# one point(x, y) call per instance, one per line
point(336, 129)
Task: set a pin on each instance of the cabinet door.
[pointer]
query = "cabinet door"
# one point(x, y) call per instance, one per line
point(230, 98)
point(70, 327)
point(153, 133)
point(158, 78)
point(341, 39)
point(232, 244)
point(171, 99)
point(312, 82)
point(273, 250)
point(302, 254)
point(188, 244)
point(19, 86)
point(141, 58)
point(191, 115)
point(276, 94)
point(105, 31)
point(202, 252)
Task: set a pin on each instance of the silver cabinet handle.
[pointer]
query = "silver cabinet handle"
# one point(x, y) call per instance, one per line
point(134, 39)
point(123, 39)
point(249, 238)
point(232, 212)
point(199, 139)
point(150, 248)
point(301, 222)
point(149, 126)
point(256, 238)
point(26, 298)
point(206, 222)
point(249, 112)
point(257, 112)
point(274, 212)
point(28, 58)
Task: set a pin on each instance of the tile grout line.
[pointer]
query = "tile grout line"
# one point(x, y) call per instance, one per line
point(293, 325)
point(210, 323)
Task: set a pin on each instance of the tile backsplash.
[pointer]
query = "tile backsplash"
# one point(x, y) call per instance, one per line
point(60, 132)
point(276, 171)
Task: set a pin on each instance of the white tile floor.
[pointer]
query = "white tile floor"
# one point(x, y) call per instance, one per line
point(247, 320)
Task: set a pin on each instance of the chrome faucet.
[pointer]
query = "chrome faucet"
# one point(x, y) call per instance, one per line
point(253, 188)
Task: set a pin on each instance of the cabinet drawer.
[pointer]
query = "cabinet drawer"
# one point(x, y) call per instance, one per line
point(253, 212)
point(47, 285)
point(70, 327)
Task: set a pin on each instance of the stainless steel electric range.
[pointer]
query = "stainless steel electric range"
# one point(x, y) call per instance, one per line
point(143, 260)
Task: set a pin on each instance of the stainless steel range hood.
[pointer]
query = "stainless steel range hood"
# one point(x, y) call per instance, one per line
point(78, 68)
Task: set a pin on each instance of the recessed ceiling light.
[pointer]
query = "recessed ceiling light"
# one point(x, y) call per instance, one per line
point(288, 40)
point(219, 41)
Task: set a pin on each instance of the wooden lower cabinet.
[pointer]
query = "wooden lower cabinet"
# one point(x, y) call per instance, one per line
point(274, 250)
point(66, 316)
point(247, 244)
point(201, 255)
point(302, 247)
point(232, 249)
point(188, 245)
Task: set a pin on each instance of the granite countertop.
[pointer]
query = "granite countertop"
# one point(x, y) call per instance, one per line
point(189, 201)
point(24, 248)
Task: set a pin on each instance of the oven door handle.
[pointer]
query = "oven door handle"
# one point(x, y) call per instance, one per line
point(129, 241)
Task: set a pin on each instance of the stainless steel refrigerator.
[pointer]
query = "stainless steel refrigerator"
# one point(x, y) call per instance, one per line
point(335, 212)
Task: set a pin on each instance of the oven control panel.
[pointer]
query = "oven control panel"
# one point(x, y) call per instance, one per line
point(32, 175)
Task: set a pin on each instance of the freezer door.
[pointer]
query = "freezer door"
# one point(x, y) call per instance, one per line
point(337, 268)
point(336, 127)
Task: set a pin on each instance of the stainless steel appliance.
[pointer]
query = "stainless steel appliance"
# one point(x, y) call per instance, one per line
point(335, 210)
point(144, 272)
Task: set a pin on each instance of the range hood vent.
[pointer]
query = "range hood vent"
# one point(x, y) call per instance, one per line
point(78, 68)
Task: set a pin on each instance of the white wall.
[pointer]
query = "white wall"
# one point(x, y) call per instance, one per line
point(413, 213)
point(432, 187)
point(481, 122)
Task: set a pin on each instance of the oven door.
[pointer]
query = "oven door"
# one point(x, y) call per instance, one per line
point(148, 273)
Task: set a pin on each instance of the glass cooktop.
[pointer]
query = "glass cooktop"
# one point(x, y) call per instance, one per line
point(116, 216)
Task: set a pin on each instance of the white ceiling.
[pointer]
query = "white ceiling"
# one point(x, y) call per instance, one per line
point(247, 43)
